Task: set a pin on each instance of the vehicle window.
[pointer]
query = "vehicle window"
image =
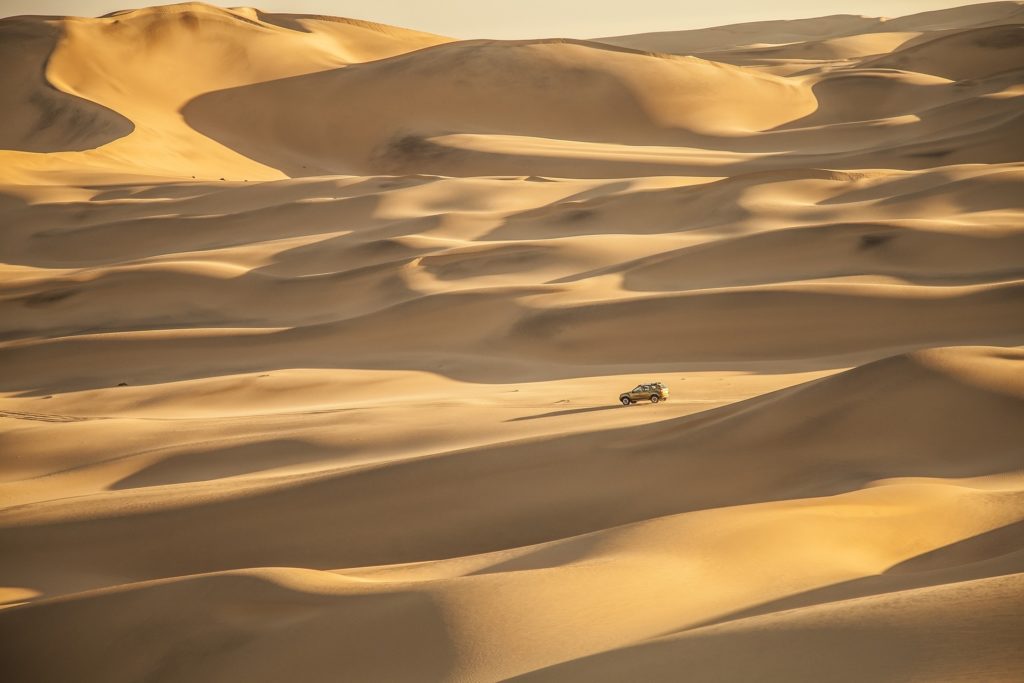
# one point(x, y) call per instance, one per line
point(638, 388)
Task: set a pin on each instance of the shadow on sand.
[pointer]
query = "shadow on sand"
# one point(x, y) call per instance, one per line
point(570, 411)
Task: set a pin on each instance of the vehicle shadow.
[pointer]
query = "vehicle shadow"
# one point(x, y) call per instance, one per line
point(570, 411)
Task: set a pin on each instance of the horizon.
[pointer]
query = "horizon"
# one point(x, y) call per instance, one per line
point(464, 19)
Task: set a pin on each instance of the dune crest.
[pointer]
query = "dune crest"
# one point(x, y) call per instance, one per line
point(313, 331)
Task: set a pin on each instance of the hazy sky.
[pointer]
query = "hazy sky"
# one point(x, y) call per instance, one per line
point(532, 18)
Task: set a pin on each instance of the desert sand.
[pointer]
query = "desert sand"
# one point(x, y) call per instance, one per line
point(312, 331)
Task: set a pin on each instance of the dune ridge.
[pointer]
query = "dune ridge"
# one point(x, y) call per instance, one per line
point(312, 331)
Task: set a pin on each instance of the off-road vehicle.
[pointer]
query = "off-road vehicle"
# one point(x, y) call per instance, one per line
point(652, 391)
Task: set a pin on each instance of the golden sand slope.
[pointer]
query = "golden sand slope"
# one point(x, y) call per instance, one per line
point(311, 333)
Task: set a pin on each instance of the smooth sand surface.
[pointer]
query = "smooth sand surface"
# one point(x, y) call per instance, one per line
point(312, 332)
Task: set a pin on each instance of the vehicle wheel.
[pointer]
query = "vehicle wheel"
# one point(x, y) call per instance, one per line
point(625, 401)
point(655, 398)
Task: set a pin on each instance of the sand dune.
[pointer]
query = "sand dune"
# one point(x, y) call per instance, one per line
point(39, 117)
point(921, 623)
point(480, 87)
point(312, 331)
point(935, 404)
point(817, 33)
point(964, 55)
point(111, 62)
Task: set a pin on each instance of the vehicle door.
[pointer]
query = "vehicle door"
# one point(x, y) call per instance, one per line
point(637, 394)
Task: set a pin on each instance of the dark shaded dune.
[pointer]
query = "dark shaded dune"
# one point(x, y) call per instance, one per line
point(930, 26)
point(355, 251)
point(37, 116)
point(207, 201)
point(879, 119)
point(827, 251)
point(695, 41)
point(958, 18)
point(803, 58)
point(976, 53)
point(1002, 546)
point(690, 207)
point(790, 36)
point(261, 624)
point(486, 260)
point(989, 140)
point(866, 94)
point(212, 462)
point(962, 632)
point(176, 297)
point(877, 412)
point(998, 552)
point(433, 343)
point(773, 322)
point(945, 413)
point(112, 242)
point(987, 189)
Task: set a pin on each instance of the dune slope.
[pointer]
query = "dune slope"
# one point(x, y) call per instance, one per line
point(312, 334)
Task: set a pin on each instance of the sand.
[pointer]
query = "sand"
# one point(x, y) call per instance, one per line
point(312, 332)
